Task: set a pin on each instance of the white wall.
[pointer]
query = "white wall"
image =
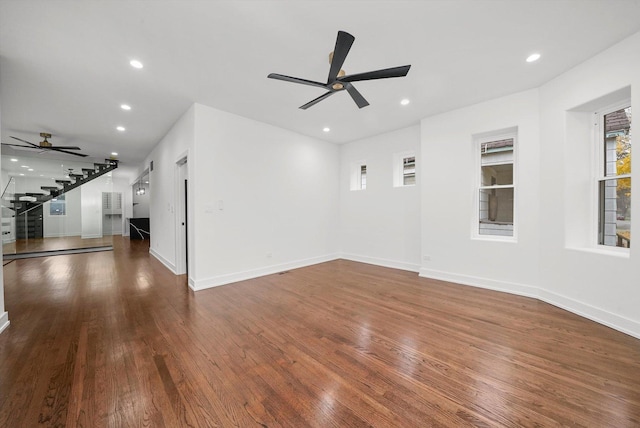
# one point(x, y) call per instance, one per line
point(266, 199)
point(449, 177)
point(601, 285)
point(381, 224)
point(178, 142)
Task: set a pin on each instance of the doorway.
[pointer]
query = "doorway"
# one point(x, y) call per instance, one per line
point(182, 226)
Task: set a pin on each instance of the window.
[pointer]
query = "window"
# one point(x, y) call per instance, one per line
point(58, 206)
point(496, 188)
point(614, 177)
point(363, 177)
point(358, 175)
point(404, 169)
point(409, 171)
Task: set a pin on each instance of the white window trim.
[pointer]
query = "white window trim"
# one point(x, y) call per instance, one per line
point(599, 175)
point(398, 168)
point(477, 141)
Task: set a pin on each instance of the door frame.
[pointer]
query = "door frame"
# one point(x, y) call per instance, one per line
point(181, 174)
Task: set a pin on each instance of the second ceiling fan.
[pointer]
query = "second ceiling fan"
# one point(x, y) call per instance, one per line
point(337, 80)
point(45, 145)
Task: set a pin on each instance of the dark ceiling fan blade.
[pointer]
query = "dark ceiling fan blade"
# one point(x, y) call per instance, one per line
point(19, 145)
point(357, 96)
point(378, 74)
point(296, 80)
point(317, 100)
point(343, 45)
point(25, 141)
point(64, 147)
point(56, 149)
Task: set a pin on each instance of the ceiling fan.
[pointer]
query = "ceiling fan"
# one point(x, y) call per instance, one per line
point(46, 145)
point(338, 80)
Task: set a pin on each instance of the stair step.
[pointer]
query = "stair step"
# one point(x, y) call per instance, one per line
point(101, 166)
point(50, 188)
point(35, 194)
point(88, 171)
point(77, 176)
point(63, 182)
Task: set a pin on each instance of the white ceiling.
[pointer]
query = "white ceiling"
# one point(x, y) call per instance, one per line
point(64, 65)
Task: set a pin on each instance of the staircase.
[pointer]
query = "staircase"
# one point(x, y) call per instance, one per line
point(23, 202)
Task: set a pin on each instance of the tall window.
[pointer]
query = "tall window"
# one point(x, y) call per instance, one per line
point(404, 169)
point(614, 178)
point(363, 177)
point(496, 189)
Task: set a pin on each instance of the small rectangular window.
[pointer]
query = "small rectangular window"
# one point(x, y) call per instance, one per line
point(404, 169)
point(497, 188)
point(58, 206)
point(358, 175)
point(409, 171)
point(614, 178)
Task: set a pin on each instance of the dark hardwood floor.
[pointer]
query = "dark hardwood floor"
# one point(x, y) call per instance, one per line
point(115, 339)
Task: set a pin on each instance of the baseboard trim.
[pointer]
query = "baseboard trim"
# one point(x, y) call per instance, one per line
point(219, 280)
point(480, 282)
point(609, 319)
point(381, 262)
point(4, 321)
point(164, 261)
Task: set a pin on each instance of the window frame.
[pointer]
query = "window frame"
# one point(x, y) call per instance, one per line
point(477, 142)
point(57, 199)
point(356, 175)
point(398, 168)
point(600, 175)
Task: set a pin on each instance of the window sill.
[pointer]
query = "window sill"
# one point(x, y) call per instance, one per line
point(623, 253)
point(495, 238)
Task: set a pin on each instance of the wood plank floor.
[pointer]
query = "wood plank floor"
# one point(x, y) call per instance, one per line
point(114, 339)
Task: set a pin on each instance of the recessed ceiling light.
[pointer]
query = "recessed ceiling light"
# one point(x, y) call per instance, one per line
point(21, 174)
point(125, 106)
point(24, 166)
point(121, 128)
point(41, 175)
point(405, 101)
point(14, 160)
point(326, 129)
point(135, 63)
point(30, 169)
point(533, 57)
point(114, 153)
